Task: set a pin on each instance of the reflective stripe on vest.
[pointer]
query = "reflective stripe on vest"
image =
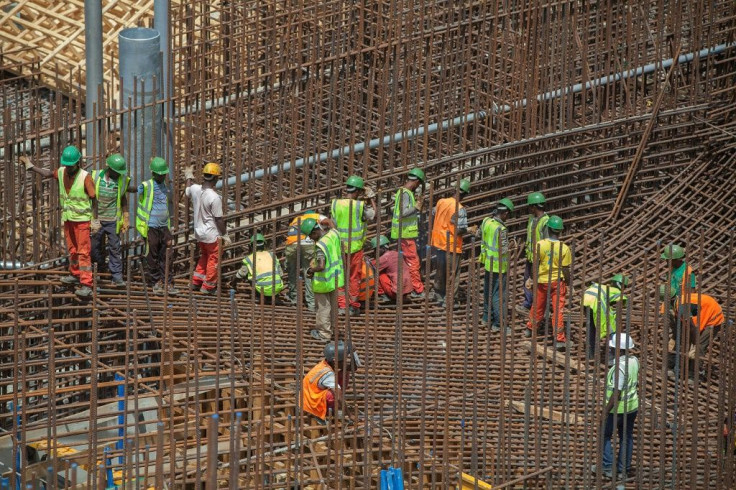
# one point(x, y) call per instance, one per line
point(267, 282)
point(533, 236)
point(145, 205)
point(324, 280)
point(490, 246)
point(314, 398)
point(367, 282)
point(122, 188)
point(76, 205)
point(409, 226)
point(629, 396)
point(603, 315)
point(293, 232)
point(444, 235)
point(350, 227)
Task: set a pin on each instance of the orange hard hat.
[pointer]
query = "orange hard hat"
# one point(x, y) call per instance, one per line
point(212, 169)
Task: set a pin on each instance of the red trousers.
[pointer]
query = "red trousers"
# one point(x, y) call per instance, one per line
point(205, 274)
point(79, 244)
point(356, 275)
point(557, 291)
point(408, 247)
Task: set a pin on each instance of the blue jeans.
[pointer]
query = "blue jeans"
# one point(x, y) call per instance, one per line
point(625, 429)
point(493, 284)
point(528, 293)
point(115, 254)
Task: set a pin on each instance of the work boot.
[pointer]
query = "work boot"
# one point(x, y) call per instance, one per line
point(70, 280)
point(317, 336)
point(497, 328)
point(207, 292)
point(158, 288)
point(172, 290)
point(354, 311)
point(383, 299)
point(521, 310)
point(118, 282)
point(341, 311)
point(562, 346)
point(83, 292)
point(415, 295)
point(604, 471)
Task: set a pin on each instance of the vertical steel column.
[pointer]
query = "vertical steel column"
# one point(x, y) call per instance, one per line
point(161, 24)
point(93, 59)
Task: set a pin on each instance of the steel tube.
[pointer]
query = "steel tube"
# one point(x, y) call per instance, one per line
point(93, 59)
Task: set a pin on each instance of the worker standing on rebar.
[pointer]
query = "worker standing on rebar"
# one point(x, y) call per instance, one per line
point(296, 244)
point(262, 265)
point(536, 230)
point(405, 226)
point(209, 225)
point(321, 386)
point(448, 227)
point(390, 285)
point(350, 214)
point(76, 192)
point(495, 258)
point(110, 216)
point(599, 304)
point(153, 222)
point(327, 274)
point(681, 276)
point(553, 261)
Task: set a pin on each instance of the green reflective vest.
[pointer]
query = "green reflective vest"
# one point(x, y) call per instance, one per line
point(599, 298)
point(350, 227)
point(324, 280)
point(629, 397)
point(409, 226)
point(76, 205)
point(143, 211)
point(534, 235)
point(123, 182)
point(490, 253)
point(267, 271)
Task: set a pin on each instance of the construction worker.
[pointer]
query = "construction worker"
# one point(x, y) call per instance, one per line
point(553, 259)
point(681, 276)
point(350, 214)
point(153, 222)
point(209, 225)
point(699, 313)
point(298, 243)
point(110, 215)
point(76, 191)
point(321, 386)
point(494, 256)
point(389, 262)
point(536, 230)
point(405, 226)
point(622, 405)
point(449, 225)
point(327, 274)
point(264, 266)
point(599, 303)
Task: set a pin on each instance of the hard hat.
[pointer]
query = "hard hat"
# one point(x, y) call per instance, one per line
point(464, 186)
point(382, 240)
point(416, 174)
point(354, 182)
point(158, 166)
point(212, 169)
point(258, 239)
point(308, 226)
point(555, 223)
point(116, 162)
point(673, 251)
point(619, 279)
point(536, 198)
point(506, 203)
point(70, 156)
point(621, 340)
point(342, 351)
point(663, 291)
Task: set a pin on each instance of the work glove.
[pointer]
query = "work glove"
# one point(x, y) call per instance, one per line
point(188, 172)
point(226, 240)
point(369, 192)
point(309, 273)
point(94, 226)
point(126, 223)
point(26, 162)
point(420, 204)
point(472, 229)
point(529, 283)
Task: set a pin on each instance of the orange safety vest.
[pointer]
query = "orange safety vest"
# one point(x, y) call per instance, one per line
point(314, 398)
point(711, 314)
point(367, 281)
point(293, 232)
point(445, 210)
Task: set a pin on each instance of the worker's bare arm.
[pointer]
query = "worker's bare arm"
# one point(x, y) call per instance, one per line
point(221, 228)
point(43, 172)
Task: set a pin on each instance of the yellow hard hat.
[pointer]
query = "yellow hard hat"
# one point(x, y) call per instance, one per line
point(212, 168)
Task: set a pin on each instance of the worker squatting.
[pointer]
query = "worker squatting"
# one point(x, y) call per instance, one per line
point(329, 253)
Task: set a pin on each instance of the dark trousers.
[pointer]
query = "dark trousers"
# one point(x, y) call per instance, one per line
point(158, 239)
point(494, 285)
point(625, 429)
point(592, 336)
point(445, 274)
point(528, 293)
point(114, 251)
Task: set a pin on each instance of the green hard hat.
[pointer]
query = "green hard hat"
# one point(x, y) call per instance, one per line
point(355, 181)
point(620, 279)
point(506, 203)
point(70, 156)
point(663, 291)
point(158, 166)
point(673, 251)
point(258, 239)
point(464, 186)
point(536, 198)
point(308, 226)
point(555, 223)
point(382, 240)
point(416, 173)
point(117, 163)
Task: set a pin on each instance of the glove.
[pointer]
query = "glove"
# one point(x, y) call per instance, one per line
point(188, 172)
point(420, 204)
point(370, 193)
point(26, 162)
point(472, 229)
point(529, 283)
point(94, 226)
point(126, 223)
point(226, 240)
point(309, 273)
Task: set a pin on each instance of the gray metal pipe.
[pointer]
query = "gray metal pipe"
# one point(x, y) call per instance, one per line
point(161, 24)
point(93, 59)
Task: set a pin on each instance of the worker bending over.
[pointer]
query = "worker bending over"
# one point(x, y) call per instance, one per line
point(321, 386)
point(599, 304)
point(681, 276)
point(297, 243)
point(76, 191)
point(494, 256)
point(262, 265)
point(391, 281)
point(536, 230)
point(405, 226)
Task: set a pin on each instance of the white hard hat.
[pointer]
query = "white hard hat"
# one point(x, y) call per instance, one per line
point(623, 341)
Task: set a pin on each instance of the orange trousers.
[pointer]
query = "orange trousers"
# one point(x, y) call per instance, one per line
point(557, 291)
point(386, 286)
point(408, 248)
point(205, 274)
point(80, 246)
point(356, 276)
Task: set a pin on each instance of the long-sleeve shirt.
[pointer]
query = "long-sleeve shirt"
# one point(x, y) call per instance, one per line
point(389, 263)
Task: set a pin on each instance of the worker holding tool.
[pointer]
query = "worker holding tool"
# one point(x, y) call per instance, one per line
point(76, 191)
point(390, 285)
point(681, 276)
point(599, 304)
point(327, 274)
point(536, 230)
point(622, 405)
point(552, 263)
point(448, 227)
point(110, 215)
point(494, 256)
point(350, 214)
point(209, 225)
point(262, 265)
point(405, 226)
point(321, 386)
point(153, 222)
point(296, 243)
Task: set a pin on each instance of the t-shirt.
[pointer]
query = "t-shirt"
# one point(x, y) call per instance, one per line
point(159, 217)
point(327, 381)
point(89, 185)
point(207, 206)
point(676, 280)
point(388, 264)
point(107, 199)
point(553, 256)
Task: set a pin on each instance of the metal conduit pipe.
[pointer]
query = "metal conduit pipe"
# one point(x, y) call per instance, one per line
point(93, 59)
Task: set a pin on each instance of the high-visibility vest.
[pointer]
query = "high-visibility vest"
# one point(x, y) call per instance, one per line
point(314, 398)
point(443, 228)
point(534, 235)
point(351, 228)
point(684, 284)
point(710, 312)
point(490, 254)
point(293, 235)
point(367, 281)
point(628, 400)
point(267, 272)
point(599, 298)
point(123, 182)
point(324, 280)
point(76, 205)
point(145, 205)
point(409, 226)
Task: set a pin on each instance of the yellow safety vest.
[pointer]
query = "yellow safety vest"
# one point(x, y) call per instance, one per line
point(76, 205)
point(490, 254)
point(145, 205)
point(267, 271)
point(629, 397)
point(409, 226)
point(533, 236)
point(350, 227)
point(324, 280)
